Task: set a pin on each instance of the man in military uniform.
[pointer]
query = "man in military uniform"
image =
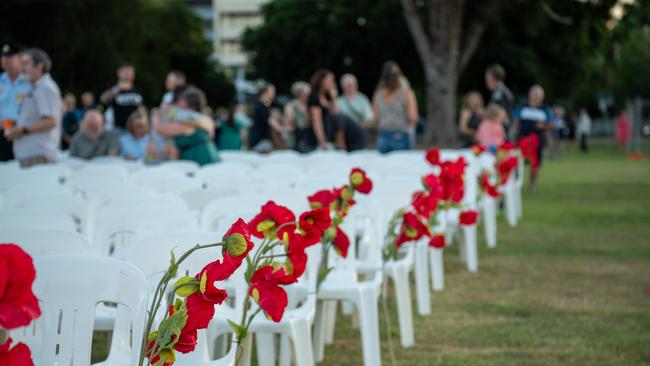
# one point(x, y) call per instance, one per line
point(13, 89)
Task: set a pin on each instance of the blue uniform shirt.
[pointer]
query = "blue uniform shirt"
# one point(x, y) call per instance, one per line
point(12, 95)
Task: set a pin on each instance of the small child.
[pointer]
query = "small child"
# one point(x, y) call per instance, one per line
point(491, 133)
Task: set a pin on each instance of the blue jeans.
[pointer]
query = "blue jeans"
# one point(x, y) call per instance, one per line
point(388, 141)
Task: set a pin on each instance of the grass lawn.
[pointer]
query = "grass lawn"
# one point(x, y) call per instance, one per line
point(570, 285)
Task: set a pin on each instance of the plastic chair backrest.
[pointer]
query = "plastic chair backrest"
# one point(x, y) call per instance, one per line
point(152, 253)
point(38, 242)
point(187, 167)
point(36, 219)
point(50, 174)
point(69, 289)
point(117, 228)
point(69, 203)
point(221, 208)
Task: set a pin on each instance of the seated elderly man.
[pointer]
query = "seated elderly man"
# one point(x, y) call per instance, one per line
point(92, 140)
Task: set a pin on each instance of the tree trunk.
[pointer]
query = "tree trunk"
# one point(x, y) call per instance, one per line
point(441, 116)
point(445, 51)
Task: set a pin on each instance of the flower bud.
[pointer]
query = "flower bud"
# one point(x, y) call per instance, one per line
point(235, 244)
point(356, 178)
point(347, 194)
point(329, 234)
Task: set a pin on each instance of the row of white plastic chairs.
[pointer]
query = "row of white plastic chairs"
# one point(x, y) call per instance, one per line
point(369, 346)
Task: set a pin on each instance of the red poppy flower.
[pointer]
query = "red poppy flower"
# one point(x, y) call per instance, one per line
point(237, 243)
point(424, 203)
point(200, 305)
point(18, 305)
point(341, 242)
point(323, 198)
point(186, 340)
point(270, 297)
point(296, 262)
point(478, 149)
point(412, 229)
point(269, 219)
point(433, 156)
point(437, 241)
point(468, 217)
point(432, 184)
point(489, 188)
point(451, 180)
point(313, 223)
point(505, 168)
point(18, 355)
point(360, 181)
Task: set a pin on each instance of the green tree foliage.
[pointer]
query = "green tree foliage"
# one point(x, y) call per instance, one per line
point(632, 71)
point(299, 37)
point(631, 45)
point(89, 39)
point(567, 59)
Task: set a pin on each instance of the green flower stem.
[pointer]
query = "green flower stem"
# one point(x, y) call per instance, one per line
point(159, 294)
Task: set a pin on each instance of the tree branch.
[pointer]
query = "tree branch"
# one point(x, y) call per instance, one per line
point(555, 16)
point(476, 28)
point(422, 41)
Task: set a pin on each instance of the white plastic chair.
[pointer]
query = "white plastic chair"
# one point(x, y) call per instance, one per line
point(69, 203)
point(224, 175)
point(117, 228)
point(468, 249)
point(375, 216)
point(49, 174)
point(166, 180)
point(38, 242)
point(219, 209)
point(296, 322)
point(188, 167)
point(68, 288)
point(198, 198)
point(36, 219)
point(280, 174)
point(342, 284)
point(238, 157)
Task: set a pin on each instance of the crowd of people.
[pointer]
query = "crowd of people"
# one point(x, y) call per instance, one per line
point(38, 122)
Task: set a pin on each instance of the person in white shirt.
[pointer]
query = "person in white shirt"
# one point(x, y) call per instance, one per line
point(353, 103)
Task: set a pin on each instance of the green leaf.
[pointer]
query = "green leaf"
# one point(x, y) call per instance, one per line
point(238, 329)
point(171, 327)
point(173, 267)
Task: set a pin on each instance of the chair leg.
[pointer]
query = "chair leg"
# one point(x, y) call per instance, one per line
point(510, 204)
point(301, 336)
point(318, 344)
point(330, 308)
point(462, 251)
point(437, 269)
point(422, 278)
point(369, 324)
point(265, 347)
point(404, 310)
point(490, 221)
point(518, 203)
point(285, 350)
point(469, 234)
